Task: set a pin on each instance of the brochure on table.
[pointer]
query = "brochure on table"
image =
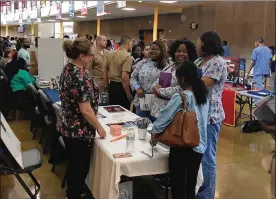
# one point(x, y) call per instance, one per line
point(11, 141)
point(107, 117)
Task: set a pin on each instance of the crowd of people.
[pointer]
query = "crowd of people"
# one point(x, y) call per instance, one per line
point(128, 77)
point(14, 66)
point(127, 73)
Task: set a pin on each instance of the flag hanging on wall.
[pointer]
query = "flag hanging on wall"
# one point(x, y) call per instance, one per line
point(71, 9)
point(59, 10)
point(84, 10)
point(100, 8)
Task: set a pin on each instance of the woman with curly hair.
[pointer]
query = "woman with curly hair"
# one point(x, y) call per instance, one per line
point(181, 51)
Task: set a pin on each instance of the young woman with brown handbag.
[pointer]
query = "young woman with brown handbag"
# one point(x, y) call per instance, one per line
point(184, 162)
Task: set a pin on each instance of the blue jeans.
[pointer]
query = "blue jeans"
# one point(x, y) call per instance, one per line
point(144, 114)
point(207, 190)
point(259, 81)
point(259, 84)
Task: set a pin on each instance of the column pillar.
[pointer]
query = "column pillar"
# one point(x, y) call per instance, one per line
point(32, 29)
point(61, 29)
point(155, 24)
point(7, 30)
point(98, 26)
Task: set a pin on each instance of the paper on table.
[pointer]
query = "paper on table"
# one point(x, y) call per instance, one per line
point(165, 79)
point(146, 102)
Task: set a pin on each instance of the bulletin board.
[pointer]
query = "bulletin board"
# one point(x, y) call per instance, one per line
point(50, 57)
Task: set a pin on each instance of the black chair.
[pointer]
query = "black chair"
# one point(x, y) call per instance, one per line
point(48, 120)
point(57, 111)
point(37, 123)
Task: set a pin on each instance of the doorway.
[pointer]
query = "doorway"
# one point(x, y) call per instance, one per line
point(147, 35)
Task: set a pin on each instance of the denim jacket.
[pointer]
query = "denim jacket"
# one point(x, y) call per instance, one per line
point(175, 105)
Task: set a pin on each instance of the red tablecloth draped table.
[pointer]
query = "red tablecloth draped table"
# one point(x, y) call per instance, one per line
point(228, 103)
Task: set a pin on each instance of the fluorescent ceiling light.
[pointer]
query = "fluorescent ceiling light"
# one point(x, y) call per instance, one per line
point(51, 20)
point(140, 1)
point(129, 9)
point(167, 1)
point(64, 18)
point(80, 16)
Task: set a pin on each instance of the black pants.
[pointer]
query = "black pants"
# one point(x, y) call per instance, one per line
point(117, 95)
point(26, 102)
point(183, 170)
point(79, 153)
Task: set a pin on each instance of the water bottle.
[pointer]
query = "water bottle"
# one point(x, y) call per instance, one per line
point(253, 86)
point(123, 194)
point(130, 140)
point(104, 98)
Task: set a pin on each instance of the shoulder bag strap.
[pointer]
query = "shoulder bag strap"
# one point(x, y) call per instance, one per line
point(184, 101)
point(185, 108)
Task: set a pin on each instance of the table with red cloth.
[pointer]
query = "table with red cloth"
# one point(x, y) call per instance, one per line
point(232, 95)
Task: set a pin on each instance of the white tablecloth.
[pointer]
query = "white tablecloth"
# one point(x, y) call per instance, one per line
point(105, 171)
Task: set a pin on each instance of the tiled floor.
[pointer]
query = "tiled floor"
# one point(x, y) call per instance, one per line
point(239, 175)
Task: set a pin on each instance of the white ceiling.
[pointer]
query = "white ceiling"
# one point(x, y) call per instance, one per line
point(144, 8)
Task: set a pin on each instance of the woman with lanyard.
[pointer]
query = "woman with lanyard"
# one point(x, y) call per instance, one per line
point(146, 73)
point(180, 51)
point(79, 104)
point(214, 74)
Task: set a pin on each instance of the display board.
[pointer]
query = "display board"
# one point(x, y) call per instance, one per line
point(50, 57)
point(11, 141)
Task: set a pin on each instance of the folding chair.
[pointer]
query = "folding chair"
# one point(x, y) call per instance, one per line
point(37, 123)
point(32, 160)
point(48, 119)
point(57, 111)
point(14, 162)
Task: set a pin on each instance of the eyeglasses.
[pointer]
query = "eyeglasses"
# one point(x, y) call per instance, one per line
point(92, 55)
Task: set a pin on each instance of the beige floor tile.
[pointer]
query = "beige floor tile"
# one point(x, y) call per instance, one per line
point(239, 172)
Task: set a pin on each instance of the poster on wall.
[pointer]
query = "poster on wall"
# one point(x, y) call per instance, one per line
point(84, 10)
point(100, 8)
point(59, 10)
point(71, 9)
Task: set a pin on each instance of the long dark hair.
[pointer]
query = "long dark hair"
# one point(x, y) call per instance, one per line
point(187, 75)
point(13, 67)
point(212, 44)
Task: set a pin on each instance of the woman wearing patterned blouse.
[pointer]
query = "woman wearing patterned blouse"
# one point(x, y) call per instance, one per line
point(214, 74)
point(146, 73)
point(180, 51)
point(79, 103)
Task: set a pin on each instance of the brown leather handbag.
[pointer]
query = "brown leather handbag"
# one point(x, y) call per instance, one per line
point(183, 130)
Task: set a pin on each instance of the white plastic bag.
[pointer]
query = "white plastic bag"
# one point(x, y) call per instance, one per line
point(200, 179)
point(146, 102)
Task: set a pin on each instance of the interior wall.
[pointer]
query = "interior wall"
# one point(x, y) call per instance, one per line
point(46, 30)
point(240, 23)
point(14, 33)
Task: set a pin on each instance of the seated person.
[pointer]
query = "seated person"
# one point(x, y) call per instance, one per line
point(20, 80)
